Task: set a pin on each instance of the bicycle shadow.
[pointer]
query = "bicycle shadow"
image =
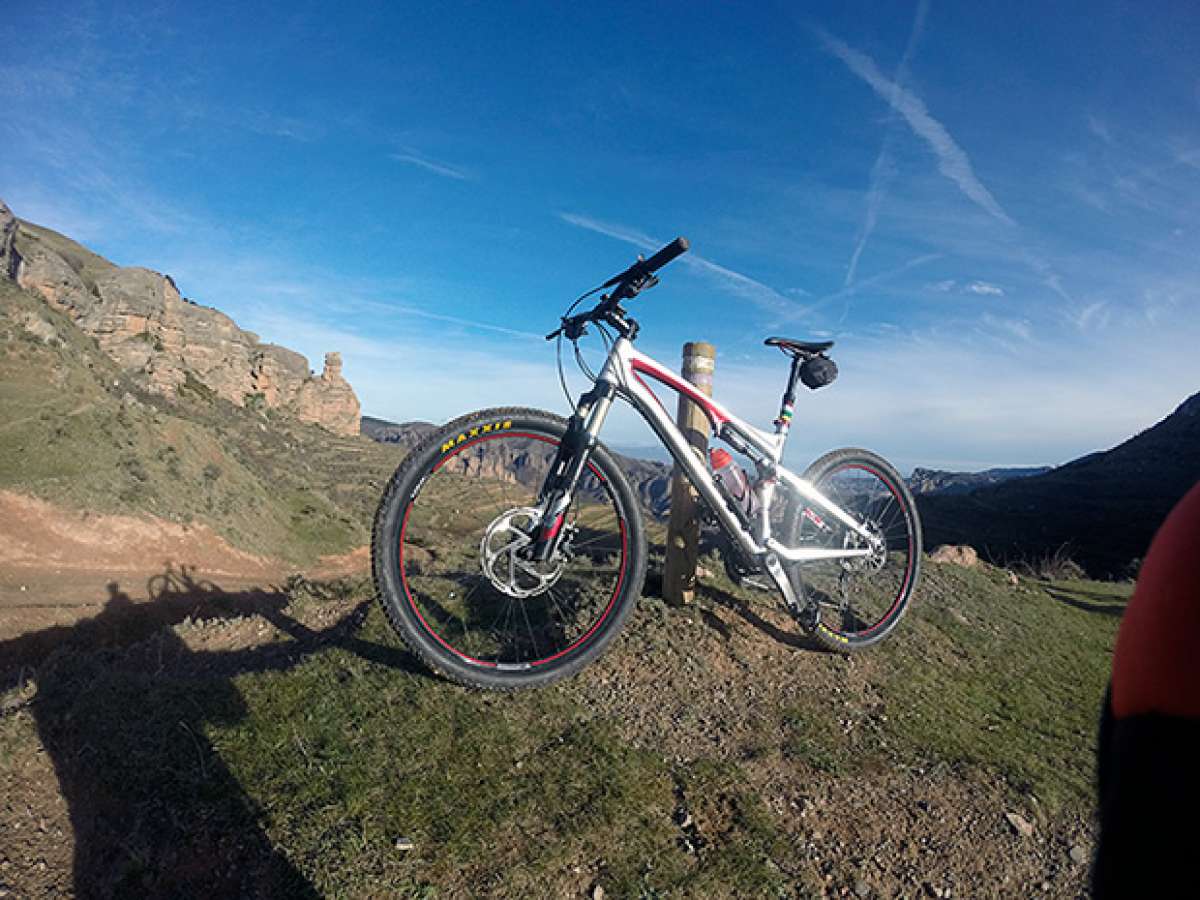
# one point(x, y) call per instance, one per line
point(121, 708)
point(740, 607)
point(1088, 601)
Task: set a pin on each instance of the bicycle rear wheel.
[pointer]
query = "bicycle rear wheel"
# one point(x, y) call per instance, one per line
point(448, 567)
point(859, 601)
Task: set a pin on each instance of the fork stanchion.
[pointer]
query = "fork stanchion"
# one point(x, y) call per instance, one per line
point(683, 528)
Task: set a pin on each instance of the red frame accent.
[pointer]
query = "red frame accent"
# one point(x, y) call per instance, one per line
point(404, 576)
point(679, 385)
point(550, 533)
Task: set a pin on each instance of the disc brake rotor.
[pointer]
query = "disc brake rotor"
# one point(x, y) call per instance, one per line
point(878, 546)
point(501, 562)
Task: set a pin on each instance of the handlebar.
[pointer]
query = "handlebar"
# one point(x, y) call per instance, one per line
point(629, 283)
point(644, 267)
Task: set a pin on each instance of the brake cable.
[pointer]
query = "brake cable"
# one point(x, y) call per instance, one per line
point(562, 378)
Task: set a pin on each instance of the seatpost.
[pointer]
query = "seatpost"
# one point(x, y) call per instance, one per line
point(787, 407)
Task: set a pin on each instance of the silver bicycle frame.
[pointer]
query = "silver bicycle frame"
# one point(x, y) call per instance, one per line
point(623, 375)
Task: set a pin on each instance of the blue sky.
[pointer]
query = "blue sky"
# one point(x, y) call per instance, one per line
point(994, 210)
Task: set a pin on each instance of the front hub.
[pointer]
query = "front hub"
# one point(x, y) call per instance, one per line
point(503, 562)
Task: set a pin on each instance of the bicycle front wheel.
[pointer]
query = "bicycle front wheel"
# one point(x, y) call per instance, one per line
point(448, 567)
point(860, 600)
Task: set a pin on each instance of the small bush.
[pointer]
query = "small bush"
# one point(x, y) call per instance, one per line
point(1052, 566)
point(196, 388)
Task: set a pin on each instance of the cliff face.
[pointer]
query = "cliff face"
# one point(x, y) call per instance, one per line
point(139, 319)
point(9, 258)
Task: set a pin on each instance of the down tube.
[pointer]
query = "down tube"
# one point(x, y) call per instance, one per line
point(656, 417)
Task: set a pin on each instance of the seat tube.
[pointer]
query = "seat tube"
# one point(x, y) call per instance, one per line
point(787, 406)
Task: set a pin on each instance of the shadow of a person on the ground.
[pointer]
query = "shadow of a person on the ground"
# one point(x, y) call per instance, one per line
point(122, 706)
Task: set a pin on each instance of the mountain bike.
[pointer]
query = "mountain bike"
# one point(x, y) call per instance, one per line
point(509, 548)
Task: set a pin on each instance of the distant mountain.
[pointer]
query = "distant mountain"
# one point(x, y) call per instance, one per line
point(650, 480)
point(406, 435)
point(937, 481)
point(1105, 506)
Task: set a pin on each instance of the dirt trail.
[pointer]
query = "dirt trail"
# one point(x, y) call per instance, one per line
point(57, 565)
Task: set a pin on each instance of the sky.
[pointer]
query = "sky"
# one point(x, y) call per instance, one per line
point(993, 209)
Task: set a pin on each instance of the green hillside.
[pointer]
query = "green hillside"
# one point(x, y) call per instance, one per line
point(76, 431)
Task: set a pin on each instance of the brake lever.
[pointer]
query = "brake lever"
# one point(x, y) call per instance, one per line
point(573, 327)
point(630, 289)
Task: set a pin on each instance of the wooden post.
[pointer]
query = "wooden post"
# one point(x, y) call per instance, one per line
point(683, 529)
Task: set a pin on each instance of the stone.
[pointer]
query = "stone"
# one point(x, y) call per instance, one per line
point(1020, 825)
point(955, 554)
point(39, 328)
point(1078, 855)
point(862, 889)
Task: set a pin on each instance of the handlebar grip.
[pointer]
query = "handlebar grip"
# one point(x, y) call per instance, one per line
point(676, 248)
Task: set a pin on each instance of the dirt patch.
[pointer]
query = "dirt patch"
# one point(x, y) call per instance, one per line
point(58, 566)
point(344, 565)
point(38, 536)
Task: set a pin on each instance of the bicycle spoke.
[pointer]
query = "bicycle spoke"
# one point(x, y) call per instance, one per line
point(469, 516)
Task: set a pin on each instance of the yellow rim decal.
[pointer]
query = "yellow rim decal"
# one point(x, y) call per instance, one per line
point(476, 432)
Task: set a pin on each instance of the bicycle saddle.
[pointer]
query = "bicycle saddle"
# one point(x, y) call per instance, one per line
point(798, 348)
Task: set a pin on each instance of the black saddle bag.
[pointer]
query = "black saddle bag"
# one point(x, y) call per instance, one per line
point(818, 371)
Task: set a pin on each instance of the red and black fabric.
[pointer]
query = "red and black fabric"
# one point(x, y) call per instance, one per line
point(1149, 753)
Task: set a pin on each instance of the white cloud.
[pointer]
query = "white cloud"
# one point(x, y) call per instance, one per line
point(884, 168)
point(736, 283)
point(446, 170)
point(970, 401)
point(952, 159)
point(1009, 327)
point(1097, 313)
point(875, 280)
point(1099, 128)
point(983, 287)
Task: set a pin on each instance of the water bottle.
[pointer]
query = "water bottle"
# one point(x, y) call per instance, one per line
point(732, 481)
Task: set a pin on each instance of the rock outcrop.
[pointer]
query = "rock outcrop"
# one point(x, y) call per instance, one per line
point(329, 400)
point(9, 258)
point(139, 318)
point(955, 554)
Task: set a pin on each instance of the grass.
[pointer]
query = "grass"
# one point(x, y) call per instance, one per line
point(1016, 687)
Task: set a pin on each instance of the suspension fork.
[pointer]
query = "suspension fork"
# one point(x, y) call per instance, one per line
point(558, 490)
